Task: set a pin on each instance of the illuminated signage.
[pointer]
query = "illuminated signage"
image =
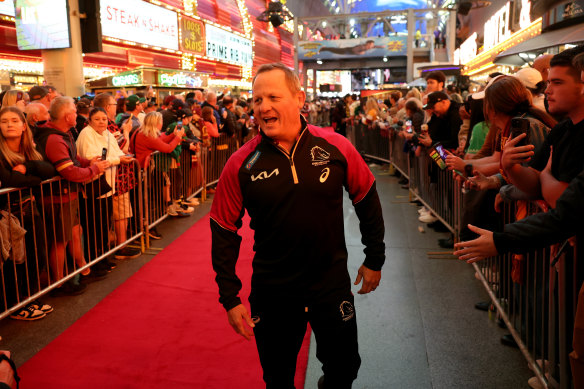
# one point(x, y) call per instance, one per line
point(497, 27)
point(468, 49)
point(26, 79)
point(192, 35)
point(42, 24)
point(139, 21)
point(180, 79)
point(524, 15)
point(226, 46)
point(126, 79)
point(7, 7)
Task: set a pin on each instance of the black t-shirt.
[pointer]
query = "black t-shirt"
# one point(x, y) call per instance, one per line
point(445, 129)
point(567, 140)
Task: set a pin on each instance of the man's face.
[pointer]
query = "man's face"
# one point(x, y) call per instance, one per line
point(564, 92)
point(432, 85)
point(441, 107)
point(111, 108)
point(70, 115)
point(43, 114)
point(276, 107)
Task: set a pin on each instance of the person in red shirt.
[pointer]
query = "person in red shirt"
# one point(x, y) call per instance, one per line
point(58, 147)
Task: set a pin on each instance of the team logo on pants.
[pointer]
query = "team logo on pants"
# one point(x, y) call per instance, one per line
point(347, 310)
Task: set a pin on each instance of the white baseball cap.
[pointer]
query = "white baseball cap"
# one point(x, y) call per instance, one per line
point(529, 77)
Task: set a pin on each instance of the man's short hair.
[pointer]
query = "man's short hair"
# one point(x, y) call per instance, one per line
point(58, 104)
point(227, 100)
point(291, 77)
point(33, 109)
point(395, 95)
point(102, 100)
point(565, 59)
point(436, 75)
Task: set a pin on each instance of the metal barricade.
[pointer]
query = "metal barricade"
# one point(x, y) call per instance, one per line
point(437, 190)
point(372, 141)
point(221, 149)
point(54, 231)
point(398, 155)
point(536, 301)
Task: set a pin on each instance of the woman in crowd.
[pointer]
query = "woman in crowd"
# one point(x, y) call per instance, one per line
point(22, 166)
point(92, 140)
point(147, 140)
point(210, 122)
point(15, 98)
point(505, 99)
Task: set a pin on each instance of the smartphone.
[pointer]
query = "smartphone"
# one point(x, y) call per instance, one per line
point(520, 126)
point(409, 126)
point(435, 153)
point(130, 155)
point(178, 126)
point(424, 128)
point(103, 154)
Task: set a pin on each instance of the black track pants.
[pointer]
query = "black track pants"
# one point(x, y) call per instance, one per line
point(280, 329)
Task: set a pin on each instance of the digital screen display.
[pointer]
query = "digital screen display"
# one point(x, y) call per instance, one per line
point(139, 21)
point(42, 24)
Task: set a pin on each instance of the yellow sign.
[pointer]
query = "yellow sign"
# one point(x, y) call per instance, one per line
point(192, 35)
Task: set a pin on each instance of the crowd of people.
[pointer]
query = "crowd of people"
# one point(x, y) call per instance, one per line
point(517, 139)
point(97, 146)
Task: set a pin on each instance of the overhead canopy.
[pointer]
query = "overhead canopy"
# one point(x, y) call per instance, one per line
point(519, 54)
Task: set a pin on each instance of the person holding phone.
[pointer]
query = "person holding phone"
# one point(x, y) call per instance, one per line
point(96, 141)
point(565, 98)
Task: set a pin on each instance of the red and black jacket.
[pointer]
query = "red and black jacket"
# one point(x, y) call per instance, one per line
point(295, 201)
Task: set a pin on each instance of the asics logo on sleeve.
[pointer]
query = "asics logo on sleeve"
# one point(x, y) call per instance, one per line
point(264, 174)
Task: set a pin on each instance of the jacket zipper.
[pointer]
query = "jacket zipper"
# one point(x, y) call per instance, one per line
point(291, 157)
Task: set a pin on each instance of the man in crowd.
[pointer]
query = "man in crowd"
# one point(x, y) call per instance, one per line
point(565, 219)
point(133, 105)
point(40, 94)
point(290, 180)
point(444, 122)
point(36, 115)
point(211, 101)
point(231, 125)
point(341, 115)
point(57, 146)
point(435, 81)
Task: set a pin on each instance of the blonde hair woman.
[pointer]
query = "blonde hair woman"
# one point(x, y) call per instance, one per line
point(16, 98)
point(21, 165)
point(148, 139)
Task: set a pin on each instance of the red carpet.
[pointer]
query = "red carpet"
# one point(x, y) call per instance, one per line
point(162, 328)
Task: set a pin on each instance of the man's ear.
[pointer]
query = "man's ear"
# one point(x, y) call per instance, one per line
point(301, 98)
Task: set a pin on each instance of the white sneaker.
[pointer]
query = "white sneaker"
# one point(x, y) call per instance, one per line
point(535, 383)
point(423, 210)
point(173, 209)
point(192, 202)
point(185, 208)
point(427, 218)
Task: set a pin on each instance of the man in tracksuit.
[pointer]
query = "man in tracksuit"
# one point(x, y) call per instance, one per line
point(290, 180)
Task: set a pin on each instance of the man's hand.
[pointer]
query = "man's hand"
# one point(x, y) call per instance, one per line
point(127, 127)
point(238, 318)
point(453, 162)
point(425, 139)
point(477, 249)
point(513, 155)
point(370, 279)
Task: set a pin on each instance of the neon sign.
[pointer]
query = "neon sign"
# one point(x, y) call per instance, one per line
point(126, 79)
